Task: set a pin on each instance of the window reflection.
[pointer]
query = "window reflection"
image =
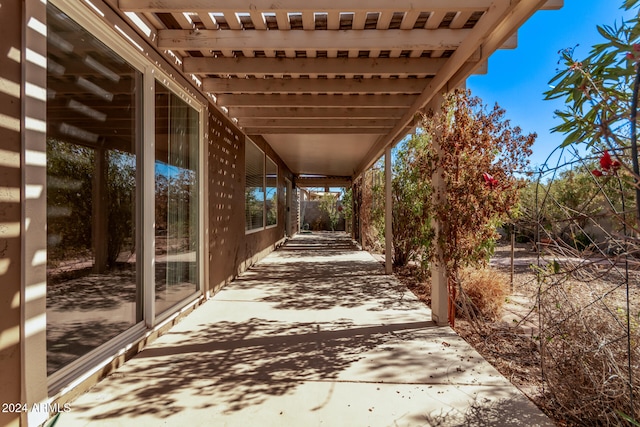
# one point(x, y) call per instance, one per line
point(254, 192)
point(271, 196)
point(93, 288)
point(176, 199)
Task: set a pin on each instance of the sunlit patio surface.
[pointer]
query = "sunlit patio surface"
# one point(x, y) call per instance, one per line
point(315, 334)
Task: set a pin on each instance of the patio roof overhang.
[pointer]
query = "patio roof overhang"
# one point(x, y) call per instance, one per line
point(329, 84)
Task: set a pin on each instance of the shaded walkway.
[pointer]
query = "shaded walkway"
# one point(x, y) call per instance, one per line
point(315, 334)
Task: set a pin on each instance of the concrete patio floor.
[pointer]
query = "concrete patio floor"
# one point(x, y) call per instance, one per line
point(313, 335)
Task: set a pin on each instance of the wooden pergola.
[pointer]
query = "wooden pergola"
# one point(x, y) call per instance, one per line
point(331, 86)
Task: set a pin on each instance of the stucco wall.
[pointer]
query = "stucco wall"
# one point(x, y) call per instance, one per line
point(10, 180)
point(231, 251)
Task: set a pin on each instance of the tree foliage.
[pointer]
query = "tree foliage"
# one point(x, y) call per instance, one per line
point(597, 90)
point(329, 205)
point(601, 94)
point(410, 192)
point(479, 158)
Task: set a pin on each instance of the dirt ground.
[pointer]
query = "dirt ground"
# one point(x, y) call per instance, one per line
point(511, 344)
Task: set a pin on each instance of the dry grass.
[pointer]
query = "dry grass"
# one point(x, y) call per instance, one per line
point(573, 360)
point(588, 355)
point(483, 293)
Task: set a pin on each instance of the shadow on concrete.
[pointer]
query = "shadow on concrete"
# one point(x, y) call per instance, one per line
point(320, 272)
point(242, 364)
point(485, 412)
point(269, 334)
point(323, 285)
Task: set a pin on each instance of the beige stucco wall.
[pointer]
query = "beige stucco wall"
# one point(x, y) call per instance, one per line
point(10, 181)
point(231, 251)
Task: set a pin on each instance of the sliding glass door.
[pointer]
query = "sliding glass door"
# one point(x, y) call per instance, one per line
point(176, 199)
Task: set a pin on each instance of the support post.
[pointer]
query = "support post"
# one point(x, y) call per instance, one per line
point(439, 285)
point(388, 213)
point(513, 245)
point(439, 289)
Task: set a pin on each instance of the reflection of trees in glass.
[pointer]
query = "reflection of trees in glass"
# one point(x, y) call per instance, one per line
point(70, 198)
point(254, 207)
point(271, 195)
point(254, 193)
point(121, 184)
point(175, 191)
point(69, 187)
point(272, 205)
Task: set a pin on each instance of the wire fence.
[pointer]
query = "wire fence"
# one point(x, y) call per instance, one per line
point(579, 212)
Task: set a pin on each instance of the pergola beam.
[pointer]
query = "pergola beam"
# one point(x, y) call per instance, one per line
point(317, 66)
point(310, 112)
point(339, 86)
point(301, 124)
point(417, 39)
point(298, 6)
point(322, 181)
point(222, 6)
point(316, 130)
point(363, 101)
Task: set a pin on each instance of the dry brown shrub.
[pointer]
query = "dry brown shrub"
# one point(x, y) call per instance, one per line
point(484, 292)
point(586, 351)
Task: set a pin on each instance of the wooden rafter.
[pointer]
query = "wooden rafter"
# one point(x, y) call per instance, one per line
point(339, 86)
point(420, 39)
point(329, 101)
point(315, 112)
point(298, 6)
point(311, 6)
point(315, 66)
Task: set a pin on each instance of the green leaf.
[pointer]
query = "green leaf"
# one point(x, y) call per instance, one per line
point(628, 418)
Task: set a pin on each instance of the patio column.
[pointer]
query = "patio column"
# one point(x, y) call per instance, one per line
point(388, 213)
point(439, 291)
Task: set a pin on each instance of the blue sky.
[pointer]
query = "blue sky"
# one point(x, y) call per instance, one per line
point(517, 79)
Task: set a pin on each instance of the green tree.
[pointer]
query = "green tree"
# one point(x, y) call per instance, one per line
point(329, 205)
point(347, 207)
point(601, 94)
point(372, 208)
point(411, 223)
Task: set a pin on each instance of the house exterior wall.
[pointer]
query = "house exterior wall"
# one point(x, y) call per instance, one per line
point(23, 215)
point(10, 210)
point(231, 249)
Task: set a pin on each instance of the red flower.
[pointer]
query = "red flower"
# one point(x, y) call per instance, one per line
point(605, 161)
point(615, 165)
point(596, 172)
point(489, 180)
